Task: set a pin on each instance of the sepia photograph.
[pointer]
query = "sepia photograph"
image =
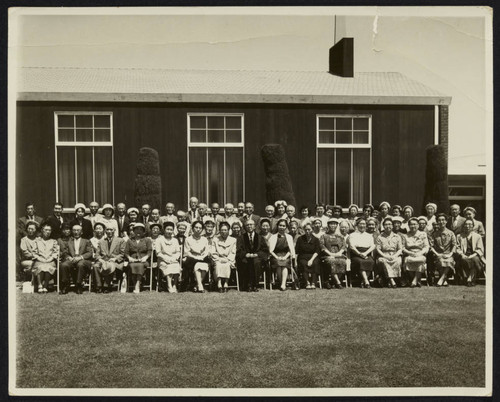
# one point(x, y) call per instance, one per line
point(250, 201)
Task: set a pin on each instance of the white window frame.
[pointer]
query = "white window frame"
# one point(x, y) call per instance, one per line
point(240, 144)
point(343, 146)
point(76, 144)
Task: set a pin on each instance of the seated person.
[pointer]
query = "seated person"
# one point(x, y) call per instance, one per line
point(76, 260)
point(138, 253)
point(470, 250)
point(46, 253)
point(169, 254)
point(361, 245)
point(443, 244)
point(389, 247)
point(27, 247)
point(196, 251)
point(282, 252)
point(109, 258)
point(224, 256)
point(333, 248)
point(308, 249)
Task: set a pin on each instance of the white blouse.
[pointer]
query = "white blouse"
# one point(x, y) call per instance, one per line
point(358, 239)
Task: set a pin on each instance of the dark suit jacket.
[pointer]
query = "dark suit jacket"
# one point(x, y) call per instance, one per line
point(255, 218)
point(21, 225)
point(55, 224)
point(460, 224)
point(85, 251)
point(259, 247)
point(87, 229)
point(124, 227)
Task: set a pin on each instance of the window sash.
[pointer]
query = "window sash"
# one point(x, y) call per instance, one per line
point(352, 130)
point(207, 130)
point(75, 127)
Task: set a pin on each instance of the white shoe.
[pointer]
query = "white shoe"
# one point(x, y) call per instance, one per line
point(137, 291)
point(313, 286)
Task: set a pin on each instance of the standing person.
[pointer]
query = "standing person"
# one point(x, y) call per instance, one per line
point(122, 219)
point(249, 214)
point(45, 255)
point(138, 252)
point(169, 214)
point(79, 219)
point(290, 216)
point(383, 209)
point(94, 216)
point(133, 216)
point(269, 211)
point(251, 251)
point(196, 249)
point(224, 257)
point(192, 214)
point(183, 217)
point(337, 212)
point(396, 210)
point(280, 208)
point(27, 247)
point(368, 210)
point(108, 211)
point(229, 216)
point(407, 214)
point(169, 255)
point(415, 248)
point(443, 245)
point(470, 251)
point(203, 211)
point(154, 217)
point(76, 260)
point(389, 249)
point(282, 253)
point(294, 230)
point(308, 249)
point(55, 221)
point(110, 257)
point(320, 214)
point(470, 213)
point(333, 248)
point(456, 222)
point(317, 225)
point(30, 216)
point(361, 245)
point(216, 216)
point(351, 218)
point(145, 215)
point(304, 216)
point(430, 211)
point(240, 210)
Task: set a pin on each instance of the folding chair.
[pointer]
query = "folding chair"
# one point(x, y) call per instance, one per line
point(237, 280)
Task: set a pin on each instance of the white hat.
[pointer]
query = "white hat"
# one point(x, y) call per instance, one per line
point(133, 209)
point(108, 206)
point(80, 205)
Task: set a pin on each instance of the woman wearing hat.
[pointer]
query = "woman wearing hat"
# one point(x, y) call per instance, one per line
point(224, 256)
point(407, 214)
point(470, 213)
point(383, 209)
point(389, 249)
point(138, 252)
point(361, 245)
point(86, 224)
point(415, 248)
point(352, 216)
point(422, 224)
point(430, 215)
point(133, 217)
point(196, 249)
point(108, 211)
point(396, 210)
point(280, 207)
point(308, 249)
point(169, 254)
point(46, 252)
point(334, 254)
point(282, 253)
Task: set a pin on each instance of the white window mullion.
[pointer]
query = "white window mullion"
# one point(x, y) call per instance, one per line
point(93, 176)
point(76, 175)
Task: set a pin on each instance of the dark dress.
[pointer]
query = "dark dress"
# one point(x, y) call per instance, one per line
point(280, 250)
point(305, 250)
point(138, 250)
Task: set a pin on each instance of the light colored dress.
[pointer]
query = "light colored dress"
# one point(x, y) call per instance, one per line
point(197, 249)
point(27, 248)
point(45, 250)
point(417, 243)
point(224, 249)
point(168, 252)
point(112, 221)
point(390, 245)
point(444, 242)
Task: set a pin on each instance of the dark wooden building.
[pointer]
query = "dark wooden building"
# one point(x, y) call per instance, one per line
point(347, 139)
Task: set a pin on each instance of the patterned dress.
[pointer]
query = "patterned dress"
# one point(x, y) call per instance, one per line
point(444, 242)
point(416, 243)
point(390, 245)
point(334, 244)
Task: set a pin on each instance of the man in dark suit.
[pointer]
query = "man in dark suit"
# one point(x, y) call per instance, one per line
point(122, 219)
point(249, 209)
point(55, 221)
point(87, 228)
point(110, 256)
point(456, 222)
point(251, 251)
point(29, 217)
point(76, 260)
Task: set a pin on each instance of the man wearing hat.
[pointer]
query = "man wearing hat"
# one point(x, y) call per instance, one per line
point(94, 216)
point(110, 257)
point(79, 219)
point(76, 260)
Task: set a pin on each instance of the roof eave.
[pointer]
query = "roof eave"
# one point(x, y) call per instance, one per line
point(232, 98)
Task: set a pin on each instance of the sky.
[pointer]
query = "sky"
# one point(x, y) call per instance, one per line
point(446, 53)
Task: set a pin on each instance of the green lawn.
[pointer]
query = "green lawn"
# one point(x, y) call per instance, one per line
point(429, 337)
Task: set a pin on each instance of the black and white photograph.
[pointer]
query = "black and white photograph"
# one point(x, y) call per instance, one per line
point(250, 201)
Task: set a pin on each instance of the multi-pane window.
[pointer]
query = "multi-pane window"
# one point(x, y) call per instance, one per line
point(215, 157)
point(344, 159)
point(84, 157)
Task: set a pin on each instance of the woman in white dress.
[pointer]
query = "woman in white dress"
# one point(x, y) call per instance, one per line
point(46, 252)
point(224, 256)
point(361, 245)
point(169, 252)
point(196, 250)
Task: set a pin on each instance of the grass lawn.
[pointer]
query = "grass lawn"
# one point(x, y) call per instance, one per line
point(429, 337)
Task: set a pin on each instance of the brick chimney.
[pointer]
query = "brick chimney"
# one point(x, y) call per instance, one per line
point(342, 58)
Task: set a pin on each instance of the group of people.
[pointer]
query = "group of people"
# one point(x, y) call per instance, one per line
point(385, 246)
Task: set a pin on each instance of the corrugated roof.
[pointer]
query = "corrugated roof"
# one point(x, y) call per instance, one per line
point(121, 84)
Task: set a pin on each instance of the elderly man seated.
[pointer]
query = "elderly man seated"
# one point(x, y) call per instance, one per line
point(76, 260)
point(110, 257)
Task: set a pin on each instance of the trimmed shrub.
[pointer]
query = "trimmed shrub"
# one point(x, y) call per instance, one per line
point(436, 178)
point(147, 189)
point(278, 183)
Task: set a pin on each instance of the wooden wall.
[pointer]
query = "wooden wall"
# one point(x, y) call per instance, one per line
point(400, 135)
